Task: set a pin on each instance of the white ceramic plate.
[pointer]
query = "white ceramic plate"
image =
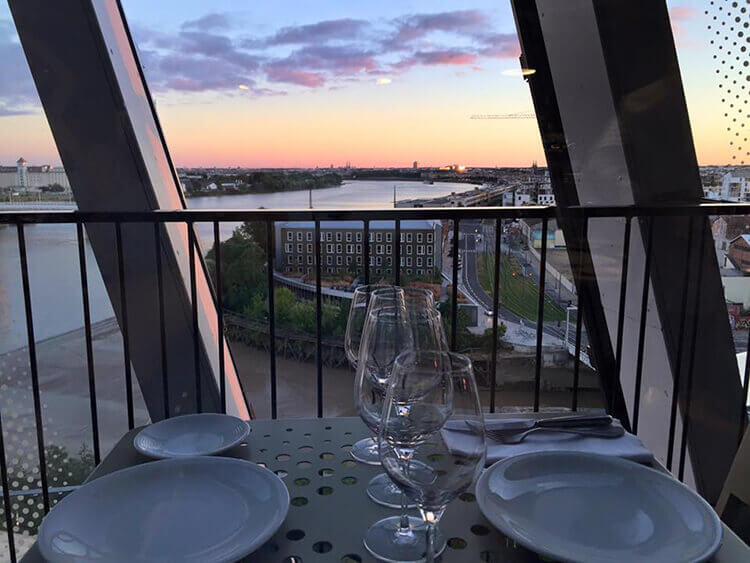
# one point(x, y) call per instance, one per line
point(586, 507)
point(189, 509)
point(191, 435)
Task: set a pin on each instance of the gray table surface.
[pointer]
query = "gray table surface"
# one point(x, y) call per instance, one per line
point(330, 509)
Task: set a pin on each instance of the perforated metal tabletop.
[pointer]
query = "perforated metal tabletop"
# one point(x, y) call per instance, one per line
point(330, 509)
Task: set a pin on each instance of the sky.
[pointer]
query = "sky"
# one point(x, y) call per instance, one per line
point(301, 84)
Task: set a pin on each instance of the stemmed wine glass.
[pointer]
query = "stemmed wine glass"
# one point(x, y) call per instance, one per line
point(366, 298)
point(427, 389)
point(386, 335)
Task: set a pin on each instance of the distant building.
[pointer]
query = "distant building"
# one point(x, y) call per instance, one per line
point(735, 185)
point(522, 199)
point(415, 165)
point(23, 177)
point(739, 253)
point(531, 230)
point(727, 228)
point(546, 199)
point(342, 250)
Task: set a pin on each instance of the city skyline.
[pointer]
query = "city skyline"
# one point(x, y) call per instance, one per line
point(377, 86)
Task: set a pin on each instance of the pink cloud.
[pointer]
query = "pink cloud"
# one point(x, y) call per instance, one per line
point(291, 76)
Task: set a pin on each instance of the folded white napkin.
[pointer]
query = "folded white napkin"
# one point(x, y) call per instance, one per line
point(626, 446)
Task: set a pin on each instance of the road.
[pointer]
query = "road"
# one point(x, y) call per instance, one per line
point(470, 280)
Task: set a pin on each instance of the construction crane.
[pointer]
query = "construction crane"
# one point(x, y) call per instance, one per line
point(517, 115)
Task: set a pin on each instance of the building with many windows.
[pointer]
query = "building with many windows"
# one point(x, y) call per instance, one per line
point(23, 177)
point(342, 247)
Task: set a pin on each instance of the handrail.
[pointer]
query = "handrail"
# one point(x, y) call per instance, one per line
point(328, 214)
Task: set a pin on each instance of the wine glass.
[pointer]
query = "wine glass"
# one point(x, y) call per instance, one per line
point(431, 466)
point(366, 297)
point(386, 335)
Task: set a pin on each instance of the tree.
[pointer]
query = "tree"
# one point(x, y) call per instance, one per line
point(243, 265)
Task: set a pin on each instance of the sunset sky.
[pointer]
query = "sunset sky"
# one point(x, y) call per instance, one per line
point(299, 83)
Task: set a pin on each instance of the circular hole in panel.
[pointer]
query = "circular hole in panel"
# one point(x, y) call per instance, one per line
point(349, 480)
point(243, 444)
point(326, 441)
point(262, 450)
point(302, 481)
point(299, 501)
point(288, 429)
point(346, 447)
point(307, 434)
point(349, 463)
point(479, 530)
point(347, 433)
point(304, 464)
point(457, 543)
point(351, 558)
point(281, 473)
point(326, 455)
point(325, 491)
point(295, 535)
point(285, 442)
point(326, 472)
point(282, 457)
point(266, 435)
point(322, 547)
point(467, 497)
point(328, 427)
point(305, 448)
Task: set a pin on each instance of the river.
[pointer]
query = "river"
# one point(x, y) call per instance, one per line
point(53, 255)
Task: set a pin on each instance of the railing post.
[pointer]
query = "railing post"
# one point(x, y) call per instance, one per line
point(495, 313)
point(194, 309)
point(162, 325)
point(124, 327)
point(89, 348)
point(271, 316)
point(680, 342)
point(220, 317)
point(642, 327)
point(318, 324)
point(693, 337)
point(397, 259)
point(366, 248)
point(33, 365)
point(621, 311)
point(540, 316)
point(454, 296)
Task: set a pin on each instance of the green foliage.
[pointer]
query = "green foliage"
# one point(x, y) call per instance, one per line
point(518, 293)
point(62, 470)
point(266, 182)
point(243, 267)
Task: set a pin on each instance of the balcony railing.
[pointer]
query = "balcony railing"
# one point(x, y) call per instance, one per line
point(577, 218)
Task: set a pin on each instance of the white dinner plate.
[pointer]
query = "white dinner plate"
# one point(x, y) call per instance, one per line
point(191, 435)
point(587, 507)
point(189, 509)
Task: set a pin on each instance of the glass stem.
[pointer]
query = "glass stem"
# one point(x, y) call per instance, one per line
point(430, 558)
point(404, 523)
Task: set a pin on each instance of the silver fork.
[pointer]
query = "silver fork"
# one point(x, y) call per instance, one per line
point(507, 438)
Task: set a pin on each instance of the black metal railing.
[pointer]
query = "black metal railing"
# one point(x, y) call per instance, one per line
point(579, 216)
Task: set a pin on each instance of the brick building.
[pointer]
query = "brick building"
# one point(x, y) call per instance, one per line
point(342, 250)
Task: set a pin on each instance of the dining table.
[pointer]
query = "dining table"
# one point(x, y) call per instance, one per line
point(330, 510)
